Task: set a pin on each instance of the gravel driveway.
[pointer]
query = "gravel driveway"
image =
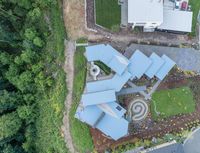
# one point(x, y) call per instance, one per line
point(185, 58)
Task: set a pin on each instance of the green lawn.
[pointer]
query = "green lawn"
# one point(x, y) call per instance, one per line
point(172, 102)
point(108, 13)
point(195, 9)
point(80, 131)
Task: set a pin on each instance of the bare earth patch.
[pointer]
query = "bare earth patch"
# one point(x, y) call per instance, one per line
point(74, 16)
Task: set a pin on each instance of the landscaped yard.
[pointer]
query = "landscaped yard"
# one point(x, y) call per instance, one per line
point(79, 131)
point(172, 102)
point(195, 9)
point(108, 13)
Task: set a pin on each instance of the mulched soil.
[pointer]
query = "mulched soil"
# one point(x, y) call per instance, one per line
point(90, 13)
point(151, 128)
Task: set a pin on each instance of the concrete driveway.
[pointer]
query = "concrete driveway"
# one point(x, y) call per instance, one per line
point(185, 58)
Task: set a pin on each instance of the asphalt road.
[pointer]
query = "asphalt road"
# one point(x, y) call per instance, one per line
point(192, 143)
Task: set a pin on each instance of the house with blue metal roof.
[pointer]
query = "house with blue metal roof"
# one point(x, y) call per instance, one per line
point(115, 83)
point(113, 109)
point(157, 63)
point(139, 64)
point(100, 97)
point(164, 70)
point(99, 107)
point(109, 56)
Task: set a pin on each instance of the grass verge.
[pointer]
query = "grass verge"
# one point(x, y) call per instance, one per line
point(80, 131)
point(195, 9)
point(48, 137)
point(172, 102)
point(108, 13)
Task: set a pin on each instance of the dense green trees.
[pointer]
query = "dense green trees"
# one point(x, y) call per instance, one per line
point(9, 125)
point(9, 100)
point(23, 71)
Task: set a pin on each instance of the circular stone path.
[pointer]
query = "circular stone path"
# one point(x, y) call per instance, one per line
point(138, 110)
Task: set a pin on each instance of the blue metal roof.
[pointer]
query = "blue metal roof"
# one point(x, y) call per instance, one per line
point(116, 83)
point(164, 70)
point(113, 109)
point(109, 125)
point(98, 97)
point(113, 127)
point(155, 66)
point(118, 64)
point(89, 114)
point(100, 85)
point(109, 56)
point(139, 64)
point(94, 53)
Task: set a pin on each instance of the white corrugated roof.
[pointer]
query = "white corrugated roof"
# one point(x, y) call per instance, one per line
point(145, 11)
point(177, 20)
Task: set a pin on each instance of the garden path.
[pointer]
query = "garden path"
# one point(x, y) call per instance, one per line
point(69, 69)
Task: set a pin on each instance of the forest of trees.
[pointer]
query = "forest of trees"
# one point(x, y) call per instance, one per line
point(23, 74)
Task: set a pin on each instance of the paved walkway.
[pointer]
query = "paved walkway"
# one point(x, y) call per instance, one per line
point(143, 93)
point(185, 58)
point(69, 69)
point(124, 12)
point(155, 87)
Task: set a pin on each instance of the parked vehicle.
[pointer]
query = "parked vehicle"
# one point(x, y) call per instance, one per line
point(177, 5)
point(184, 5)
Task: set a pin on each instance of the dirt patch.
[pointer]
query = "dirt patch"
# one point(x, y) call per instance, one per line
point(74, 16)
point(69, 69)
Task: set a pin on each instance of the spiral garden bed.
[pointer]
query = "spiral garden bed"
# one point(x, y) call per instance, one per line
point(138, 110)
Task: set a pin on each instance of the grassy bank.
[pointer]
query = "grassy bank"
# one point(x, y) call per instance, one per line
point(172, 102)
point(49, 138)
point(80, 131)
point(195, 9)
